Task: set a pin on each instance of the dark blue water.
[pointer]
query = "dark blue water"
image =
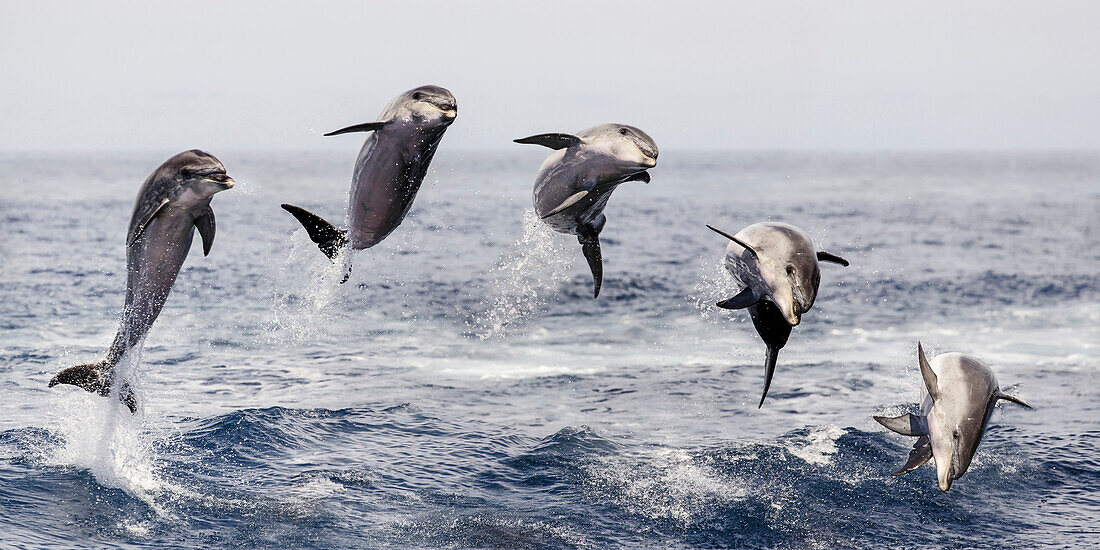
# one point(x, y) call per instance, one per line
point(464, 390)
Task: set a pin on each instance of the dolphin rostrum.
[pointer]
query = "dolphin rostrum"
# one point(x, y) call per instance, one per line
point(777, 266)
point(172, 203)
point(960, 393)
point(388, 172)
point(575, 182)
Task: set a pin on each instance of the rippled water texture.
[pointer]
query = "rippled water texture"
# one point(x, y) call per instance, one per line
point(463, 389)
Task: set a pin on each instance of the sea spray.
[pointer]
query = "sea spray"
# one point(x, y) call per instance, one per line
point(524, 278)
point(306, 286)
point(101, 435)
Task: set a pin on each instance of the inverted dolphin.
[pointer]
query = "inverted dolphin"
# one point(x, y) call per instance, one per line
point(777, 267)
point(172, 203)
point(575, 182)
point(388, 173)
point(960, 393)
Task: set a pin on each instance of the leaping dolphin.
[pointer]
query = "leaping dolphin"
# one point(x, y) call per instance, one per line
point(575, 182)
point(388, 173)
point(172, 203)
point(960, 393)
point(777, 267)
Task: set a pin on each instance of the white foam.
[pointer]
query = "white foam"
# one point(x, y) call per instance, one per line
point(818, 447)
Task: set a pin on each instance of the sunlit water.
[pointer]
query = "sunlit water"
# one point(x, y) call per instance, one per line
point(463, 389)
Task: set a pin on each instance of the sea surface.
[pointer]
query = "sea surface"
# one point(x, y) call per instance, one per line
point(463, 389)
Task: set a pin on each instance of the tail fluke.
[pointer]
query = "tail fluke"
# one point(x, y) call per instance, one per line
point(328, 238)
point(769, 370)
point(590, 245)
point(96, 378)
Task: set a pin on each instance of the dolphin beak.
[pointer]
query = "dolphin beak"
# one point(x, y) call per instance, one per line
point(649, 162)
point(450, 114)
point(227, 182)
point(794, 318)
point(946, 474)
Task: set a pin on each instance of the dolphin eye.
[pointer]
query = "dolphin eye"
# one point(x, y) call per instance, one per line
point(417, 96)
point(955, 434)
point(622, 131)
point(790, 270)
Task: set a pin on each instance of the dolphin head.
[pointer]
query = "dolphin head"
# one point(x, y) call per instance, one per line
point(198, 174)
point(788, 266)
point(429, 105)
point(628, 148)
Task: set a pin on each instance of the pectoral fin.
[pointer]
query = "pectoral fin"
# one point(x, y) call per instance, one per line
point(146, 215)
point(551, 140)
point(906, 424)
point(826, 257)
point(921, 452)
point(206, 226)
point(364, 127)
point(742, 300)
point(570, 201)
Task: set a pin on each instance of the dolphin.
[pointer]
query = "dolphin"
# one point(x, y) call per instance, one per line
point(575, 182)
point(960, 392)
point(171, 204)
point(388, 172)
point(777, 267)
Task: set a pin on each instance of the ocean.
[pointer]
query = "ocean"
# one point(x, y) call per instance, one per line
point(463, 389)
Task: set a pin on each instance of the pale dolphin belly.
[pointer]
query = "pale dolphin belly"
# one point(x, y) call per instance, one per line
point(388, 174)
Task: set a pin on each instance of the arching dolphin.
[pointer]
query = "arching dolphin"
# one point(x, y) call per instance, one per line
point(778, 268)
point(960, 392)
point(575, 182)
point(388, 172)
point(173, 201)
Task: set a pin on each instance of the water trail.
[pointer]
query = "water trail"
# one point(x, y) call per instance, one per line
point(715, 284)
point(524, 278)
point(305, 287)
point(101, 435)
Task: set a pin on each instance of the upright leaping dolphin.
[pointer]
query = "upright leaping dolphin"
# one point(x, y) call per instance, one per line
point(388, 172)
point(575, 182)
point(777, 267)
point(960, 392)
point(172, 203)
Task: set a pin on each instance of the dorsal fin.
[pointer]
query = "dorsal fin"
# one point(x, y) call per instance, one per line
point(826, 257)
point(364, 127)
point(552, 140)
point(736, 240)
point(931, 383)
point(1012, 398)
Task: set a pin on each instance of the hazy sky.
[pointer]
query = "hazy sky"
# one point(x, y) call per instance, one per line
point(269, 75)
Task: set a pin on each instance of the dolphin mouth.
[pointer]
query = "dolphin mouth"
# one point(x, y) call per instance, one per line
point(227, 183)
point(449, 114)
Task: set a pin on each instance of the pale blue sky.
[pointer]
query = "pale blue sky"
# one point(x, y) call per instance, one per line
point(261, 75)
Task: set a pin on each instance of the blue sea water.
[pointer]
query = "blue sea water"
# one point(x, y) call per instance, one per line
point(464, 390)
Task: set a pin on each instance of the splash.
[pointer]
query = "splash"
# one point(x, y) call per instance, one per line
point(715, 284)
point(100, 435)
point(306, 285)
point(524, 278)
